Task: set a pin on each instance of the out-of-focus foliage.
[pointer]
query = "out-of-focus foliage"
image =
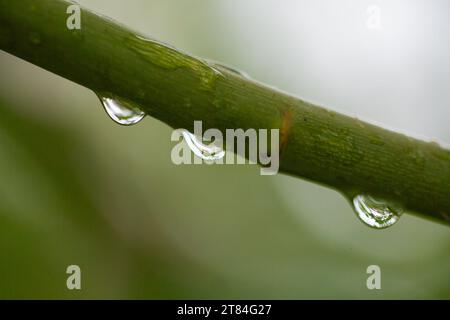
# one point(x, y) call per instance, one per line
point(76, 188)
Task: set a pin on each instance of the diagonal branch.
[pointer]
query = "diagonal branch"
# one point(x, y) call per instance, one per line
point(317, 144)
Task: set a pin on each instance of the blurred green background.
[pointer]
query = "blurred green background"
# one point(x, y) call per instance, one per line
point(76, 188)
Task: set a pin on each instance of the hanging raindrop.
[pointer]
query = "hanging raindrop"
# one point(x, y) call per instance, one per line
point(120, 110)
point(206, 152)
point(376, 213)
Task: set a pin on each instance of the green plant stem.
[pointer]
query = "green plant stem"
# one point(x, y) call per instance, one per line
point(317, 144)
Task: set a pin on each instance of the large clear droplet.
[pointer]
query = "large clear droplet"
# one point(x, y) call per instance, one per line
point(206, 152)
point(121, 111)
point(376, 213)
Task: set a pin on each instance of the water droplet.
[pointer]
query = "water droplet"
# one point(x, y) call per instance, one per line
point(206, 152)
point(167, 57)
point(120, 110)
point(229, 68)
point(376, 213)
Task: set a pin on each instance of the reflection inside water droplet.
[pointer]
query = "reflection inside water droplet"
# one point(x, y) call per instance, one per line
point(206, 152)
point(121, 111)
point(376, 213)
